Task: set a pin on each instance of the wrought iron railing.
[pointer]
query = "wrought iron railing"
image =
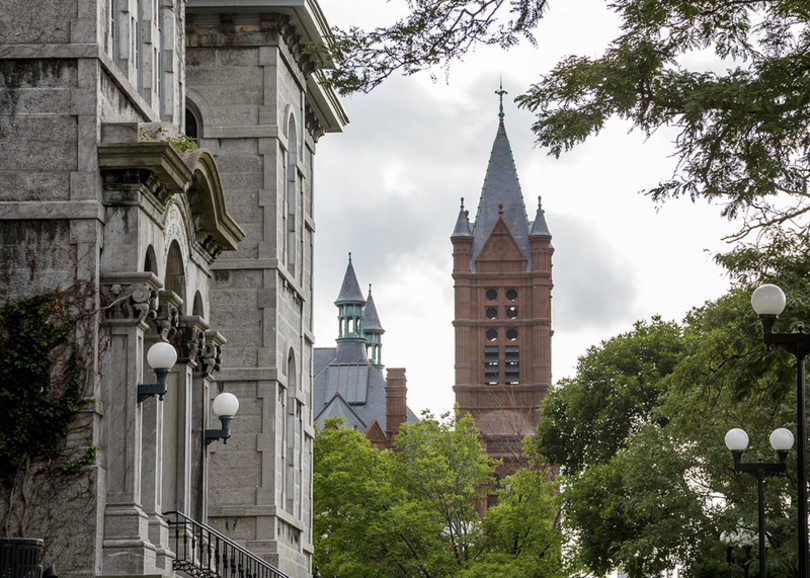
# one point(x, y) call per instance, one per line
point(202, 552)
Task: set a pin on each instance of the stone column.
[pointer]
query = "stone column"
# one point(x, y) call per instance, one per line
point(129, 301)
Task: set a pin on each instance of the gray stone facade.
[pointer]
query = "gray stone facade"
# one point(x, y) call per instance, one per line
point(210, 250)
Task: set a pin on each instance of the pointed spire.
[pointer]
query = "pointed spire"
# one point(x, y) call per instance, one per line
point(350, 290)
point(462, 223)
point(373, 331)
point(501, 186)
point(372, 319)
point(500, 92)
point(539, 227)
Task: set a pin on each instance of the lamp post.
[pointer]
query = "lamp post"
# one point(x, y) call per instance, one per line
point(781, 441)
point(769, 301)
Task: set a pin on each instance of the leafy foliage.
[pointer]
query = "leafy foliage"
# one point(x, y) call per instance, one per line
point(589, 417)
point(664, 493)
point(414, 511)
point(743, 133)
point(433, 34)
point(42, 380)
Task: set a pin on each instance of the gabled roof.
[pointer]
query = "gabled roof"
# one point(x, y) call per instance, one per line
point(501, 186)
point(337, 407)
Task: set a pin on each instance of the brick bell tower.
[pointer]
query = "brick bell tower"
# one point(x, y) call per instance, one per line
point(502, 275)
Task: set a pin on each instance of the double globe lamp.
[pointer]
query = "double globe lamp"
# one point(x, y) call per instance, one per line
point(768, 302)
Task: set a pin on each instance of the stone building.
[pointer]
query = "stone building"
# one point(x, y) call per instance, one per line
point(502, 275)
point(207, 249)
point(349, 380)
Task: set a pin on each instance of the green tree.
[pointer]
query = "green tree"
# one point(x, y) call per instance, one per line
point(661, 493)
point(409, 512)
point(434, 33)
point(743, 133)
point(522, 531)
point(415, 511)
point(588, 418)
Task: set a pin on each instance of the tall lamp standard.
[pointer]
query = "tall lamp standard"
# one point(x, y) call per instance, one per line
point(769, 301)
point(781, 441)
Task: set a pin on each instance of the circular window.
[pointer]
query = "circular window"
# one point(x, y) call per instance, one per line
point(492, 334)
point(492, 312)
point(511, 294)
point(511, 334)
point(492, 294)
point(511, 312)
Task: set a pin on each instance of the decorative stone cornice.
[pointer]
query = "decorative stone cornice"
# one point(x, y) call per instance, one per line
point(129, 298)
point(132, 170)
point(283, 25)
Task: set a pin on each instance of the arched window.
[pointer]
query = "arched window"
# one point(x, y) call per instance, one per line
point(292, 183)
point(293, 436)
point(193, 124)
point(175, 273)
point(150, 262)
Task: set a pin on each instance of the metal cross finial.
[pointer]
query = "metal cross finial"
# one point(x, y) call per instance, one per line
point(350, 257)
point(500, 93)
point(462, 203)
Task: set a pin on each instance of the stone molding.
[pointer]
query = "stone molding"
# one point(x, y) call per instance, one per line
point(131, 170)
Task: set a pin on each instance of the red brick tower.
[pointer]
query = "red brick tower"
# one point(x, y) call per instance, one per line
point(502, 274)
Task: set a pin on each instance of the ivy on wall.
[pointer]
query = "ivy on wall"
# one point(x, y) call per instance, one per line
point(41, 383)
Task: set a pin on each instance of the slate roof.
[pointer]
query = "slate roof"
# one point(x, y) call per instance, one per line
point(366, 400)
point(462, 224)
point(501, 186)
point(539, 226)
point(350, 289)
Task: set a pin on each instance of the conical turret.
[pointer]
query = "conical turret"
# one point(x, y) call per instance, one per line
point(351, 339)
point(373, 331)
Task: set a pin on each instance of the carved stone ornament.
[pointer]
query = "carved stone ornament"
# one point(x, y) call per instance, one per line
point(136, 302)
point(189, 341)
point(211, 359)
point(167, 319)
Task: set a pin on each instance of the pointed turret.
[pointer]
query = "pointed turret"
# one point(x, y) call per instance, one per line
point(501, 186)
point(351, 340)
point(373, 331)
point(539, 227)
point(462, 223)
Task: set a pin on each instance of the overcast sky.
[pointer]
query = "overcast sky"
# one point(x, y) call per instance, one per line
point(388, 191)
